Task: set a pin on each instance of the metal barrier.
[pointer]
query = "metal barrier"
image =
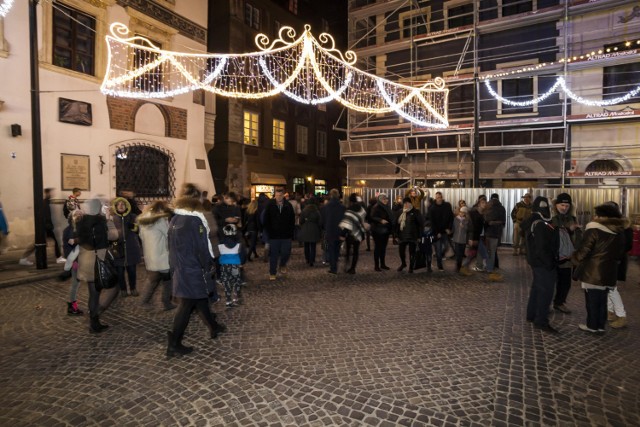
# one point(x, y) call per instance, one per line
point(583, 199)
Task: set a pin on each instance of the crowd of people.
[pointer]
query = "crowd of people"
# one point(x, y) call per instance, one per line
point(195, 244)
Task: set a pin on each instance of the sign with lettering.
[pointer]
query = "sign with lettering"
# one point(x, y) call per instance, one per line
point(75, 172)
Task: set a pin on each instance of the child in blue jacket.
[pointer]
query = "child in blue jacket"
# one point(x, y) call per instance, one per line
point(231, 259)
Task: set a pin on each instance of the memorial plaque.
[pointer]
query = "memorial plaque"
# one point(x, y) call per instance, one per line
point(75, 172)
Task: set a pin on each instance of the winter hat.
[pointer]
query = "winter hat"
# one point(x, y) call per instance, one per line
point(495, 196)
point(563, 198)
point(407, 200)
point(541, 206)
point(353, 198)
point(607, 210)
point(229, 230)
point(382, 196)
point(464, 209)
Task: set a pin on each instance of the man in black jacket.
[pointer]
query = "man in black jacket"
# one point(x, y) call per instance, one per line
point(330, 216)
point(279, 222)
point(441, 216)
point(543, 243)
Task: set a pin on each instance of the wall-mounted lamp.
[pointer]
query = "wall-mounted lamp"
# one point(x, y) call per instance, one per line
point(309, 178)
point(16, 130)
point(363, 182)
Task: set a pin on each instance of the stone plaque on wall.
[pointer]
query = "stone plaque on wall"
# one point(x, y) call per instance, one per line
point(75, 172)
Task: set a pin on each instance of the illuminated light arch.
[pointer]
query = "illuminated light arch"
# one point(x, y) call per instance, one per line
point(308, 70)
point(561, 83)
point(5, 6)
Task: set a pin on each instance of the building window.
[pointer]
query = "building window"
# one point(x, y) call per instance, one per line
point(73, 39)
point(321, 144)
point(252, 16)
point(461, 101)
point(302, 140)
point(620, 79)
point(278, 134)
point(298, 185)
point(151, 80)
point(148, 171)
point(251, 128)
point(458, 13)
point(414, 22)
point(293, 6)
point(519, 89)
point(514, 7)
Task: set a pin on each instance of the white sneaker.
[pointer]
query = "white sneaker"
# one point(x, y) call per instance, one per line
point(475, 268)
point(24, 261)
point(61, 260)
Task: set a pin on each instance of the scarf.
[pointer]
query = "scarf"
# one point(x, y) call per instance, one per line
point(403, 218)
point(204, 222)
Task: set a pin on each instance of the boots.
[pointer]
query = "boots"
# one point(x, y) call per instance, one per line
point(377, 264)
point(166, 296)
point(619, 323)
point(175, 347)
point(73, 310)
point(95, 326)
point(218, 328)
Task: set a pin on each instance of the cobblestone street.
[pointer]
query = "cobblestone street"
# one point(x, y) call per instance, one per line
point(314, 349)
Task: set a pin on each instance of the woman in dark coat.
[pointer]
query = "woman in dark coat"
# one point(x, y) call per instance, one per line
point(130, 253)
point(251, 228)
point(597, 260)
point(310, 233)
point(408, 229)
point(191, 264)
point(381, 227)
point(93, 234)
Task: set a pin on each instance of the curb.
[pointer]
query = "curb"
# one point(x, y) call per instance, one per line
point(29, 279)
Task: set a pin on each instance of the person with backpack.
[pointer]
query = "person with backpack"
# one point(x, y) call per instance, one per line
point(542, 243)
point(569, 231)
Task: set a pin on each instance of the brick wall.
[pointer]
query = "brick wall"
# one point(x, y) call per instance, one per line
point(122, 113)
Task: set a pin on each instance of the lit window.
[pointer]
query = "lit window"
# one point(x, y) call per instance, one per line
point(251, 128)
point(278, 134)
point(302, 140)
point(73, 39)
point(321, 144)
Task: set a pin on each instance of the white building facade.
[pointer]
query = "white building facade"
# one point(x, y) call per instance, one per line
point(98, 143)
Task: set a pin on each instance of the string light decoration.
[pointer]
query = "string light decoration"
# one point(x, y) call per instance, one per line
point(5, 6)
point(561, 83)
point(309, 70)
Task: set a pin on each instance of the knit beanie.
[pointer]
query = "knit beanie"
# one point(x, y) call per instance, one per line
point(563, 198)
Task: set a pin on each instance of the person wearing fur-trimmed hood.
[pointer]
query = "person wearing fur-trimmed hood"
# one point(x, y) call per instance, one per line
point(191, 262)
point(153, 227)
point(596, 260)
point(130, 254)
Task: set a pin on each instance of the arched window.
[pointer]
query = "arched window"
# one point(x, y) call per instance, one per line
point(603, 166)
point(147, 170)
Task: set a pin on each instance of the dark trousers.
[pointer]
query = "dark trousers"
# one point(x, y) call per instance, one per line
point(441, 246)
point(459, 250)
point(334, 254)
point(367, 237)
point(310, 252)
point(154, 279)
point(380, 249)
point(353, 247)
point(402, 249)
point(596, 302)
point(541, 294)
point(94, 300)
point(186, 306)
point(253, 242)
point(131, 274)
point(563, 286)
point(49, 233)
point(279, 251)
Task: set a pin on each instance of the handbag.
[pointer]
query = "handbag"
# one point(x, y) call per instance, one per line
point(419, 260)
point(105, 275)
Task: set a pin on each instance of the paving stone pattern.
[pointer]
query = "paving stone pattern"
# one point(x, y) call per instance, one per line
point(314, 349)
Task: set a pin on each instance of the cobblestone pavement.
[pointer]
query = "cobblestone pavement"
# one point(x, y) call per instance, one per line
point(314, 349)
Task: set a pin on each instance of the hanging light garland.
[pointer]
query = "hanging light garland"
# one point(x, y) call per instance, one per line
point(563, 85)
point(5, 6)
point(306, 69)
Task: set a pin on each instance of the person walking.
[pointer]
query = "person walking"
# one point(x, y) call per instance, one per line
point(543, 243)
point(130, 254)
point(597, 260)
point(495, 218)
point(352, 230)
point(408, 227)
point(330, 216)
point(49, 232)
point(94, 232)
point(520, 212)
point(279, 223)
point(565, 222)
point(153, 229)
point(310, 233)
point(191, 266)
point(441, 216)
point(381, 227)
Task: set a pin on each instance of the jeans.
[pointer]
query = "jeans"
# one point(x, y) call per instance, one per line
point(279, 249)
point(310, 252)
point(441, 246)
point(482, 254)
point(131, 274)
point(518, 239)
point(596, 302)
point(334, 254)
point(75, 284)
point(540, 296)
point(154, 278)
point(492, 246)
point(183, 314)
point(563, 285)
point(614, 303)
